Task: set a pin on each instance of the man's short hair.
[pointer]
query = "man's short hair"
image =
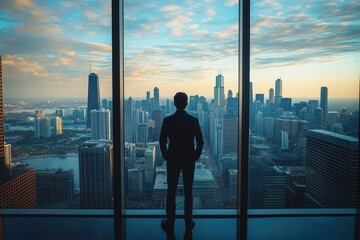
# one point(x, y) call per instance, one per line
point(180, 100)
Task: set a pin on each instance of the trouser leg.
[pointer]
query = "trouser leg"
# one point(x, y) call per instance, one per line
point(188, 179)
point(173, 172)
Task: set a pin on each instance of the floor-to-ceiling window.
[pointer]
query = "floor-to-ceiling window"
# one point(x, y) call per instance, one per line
point(260, 161)
point(191, 47)
point(304, 104)
point(56, 104)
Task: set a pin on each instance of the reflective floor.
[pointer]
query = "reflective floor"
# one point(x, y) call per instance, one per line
point(271, 228)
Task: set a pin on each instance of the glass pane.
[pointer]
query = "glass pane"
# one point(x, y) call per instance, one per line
point(56, 79)
point(191, 47)
point(298, 228)
point(304, 118)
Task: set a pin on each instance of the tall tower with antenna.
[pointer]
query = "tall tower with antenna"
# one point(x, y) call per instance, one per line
point(93, 102)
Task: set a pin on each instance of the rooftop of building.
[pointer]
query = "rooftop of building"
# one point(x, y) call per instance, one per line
point(13, 172)
point(202, 175)
point(336, 139)
point(55, 171)
point(335, 135)
point(100, 143)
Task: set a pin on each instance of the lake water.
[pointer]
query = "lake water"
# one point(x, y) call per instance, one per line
point(66, 162)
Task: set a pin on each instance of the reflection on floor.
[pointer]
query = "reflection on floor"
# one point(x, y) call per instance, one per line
point(300, 228)
point(207, 229)
point(276, 228)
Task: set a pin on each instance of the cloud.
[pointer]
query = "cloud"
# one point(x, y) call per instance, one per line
point(49, 44)
point(170, 8)
point(231, 31)
point(210, 12)
point(230, 3)
point(318, 34)
point(64, 61)
point(194, 26)
point(25, 65)
point(178, 25)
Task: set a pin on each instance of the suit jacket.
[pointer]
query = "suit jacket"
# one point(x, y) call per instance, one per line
point(181, 129)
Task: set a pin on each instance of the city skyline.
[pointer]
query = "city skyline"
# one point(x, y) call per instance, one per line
point(191, 51)
point(61, 51)
point(277, 133)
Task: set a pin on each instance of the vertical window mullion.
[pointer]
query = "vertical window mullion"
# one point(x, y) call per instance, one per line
point(117, 95)
point(244, 80)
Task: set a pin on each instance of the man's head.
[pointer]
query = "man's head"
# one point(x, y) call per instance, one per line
point(180, 100)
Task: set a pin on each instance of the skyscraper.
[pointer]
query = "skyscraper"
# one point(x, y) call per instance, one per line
point(158, 156)
point(251, 93)
point(100, 124)
point(219, 91)
point(259, 123)
point(42, 126)
point(3, 169)
point(158, 117)
point(7, 155)
point(230, 94)
point(129, 121)
point(193, 101)
point(278, 91)
point(59, 112)
point(318, 116)
point(233, 174)
point(278, 87)
point(156, 98)
point(295, 128)
point(269, 128)
point(271, 95)
point(93, 96)
point(57, 125)
point(266, 183)
point(142, 133)
point(18, 189)
point(95, 168)
point(105, 103)
point(148, 102)
point(312, 105)
point(230, 134)
point(149, 168)
point(286, 104)
point(252, 111)
point(284, 140)
point(136, 182)
point(54, 188)
point(259, 97)
point(332, 164)
point(324, 102)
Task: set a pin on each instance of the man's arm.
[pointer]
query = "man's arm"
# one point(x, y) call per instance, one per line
point(163, 140)
point(199, 141)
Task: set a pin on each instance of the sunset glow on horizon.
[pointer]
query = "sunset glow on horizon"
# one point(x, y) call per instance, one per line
point(47, 47)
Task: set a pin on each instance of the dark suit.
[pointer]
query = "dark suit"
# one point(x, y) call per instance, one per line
point(181, 129)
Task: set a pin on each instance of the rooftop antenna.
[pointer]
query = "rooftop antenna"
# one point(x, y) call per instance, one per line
point(90, 64)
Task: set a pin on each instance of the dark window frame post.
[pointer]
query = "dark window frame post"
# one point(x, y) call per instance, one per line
point(118, 126)
point(244, 80)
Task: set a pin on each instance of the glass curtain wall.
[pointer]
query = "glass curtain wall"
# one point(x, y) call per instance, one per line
point(192, 47)
point(56, 104)
point(304, 104)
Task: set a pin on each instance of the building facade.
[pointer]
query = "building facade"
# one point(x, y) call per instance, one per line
point(95, 168)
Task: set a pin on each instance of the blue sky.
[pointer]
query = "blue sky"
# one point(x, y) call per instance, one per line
point(180, 46)
point(47, 46)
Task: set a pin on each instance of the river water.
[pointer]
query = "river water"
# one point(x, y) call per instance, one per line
point(66, 162)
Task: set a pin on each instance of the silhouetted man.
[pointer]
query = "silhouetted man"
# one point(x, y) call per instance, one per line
point(180, 129)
